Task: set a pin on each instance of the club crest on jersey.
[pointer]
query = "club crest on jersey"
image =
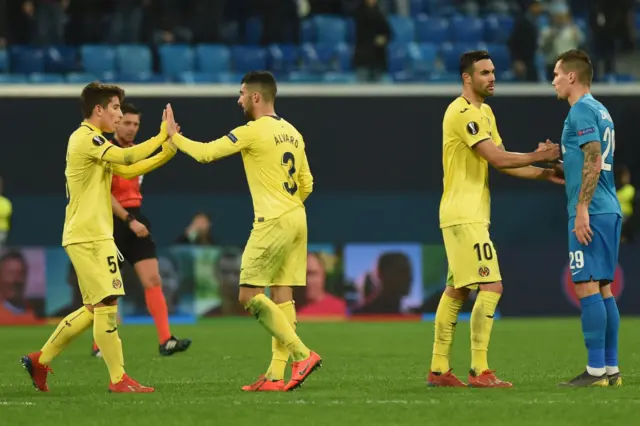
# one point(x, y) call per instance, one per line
point(98, 140)
point(473, 128)
point(483, 271)
point(117, 284)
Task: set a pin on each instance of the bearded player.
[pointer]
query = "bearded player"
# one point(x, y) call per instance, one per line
point(131, 235)
point(275, 256)
point(88, 233)
point(595, 216)
point(470, 143)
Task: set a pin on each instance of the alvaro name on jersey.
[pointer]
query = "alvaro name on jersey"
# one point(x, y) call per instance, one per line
point(275, 163)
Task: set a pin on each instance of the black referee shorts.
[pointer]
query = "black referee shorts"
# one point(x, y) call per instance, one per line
point(132, 247)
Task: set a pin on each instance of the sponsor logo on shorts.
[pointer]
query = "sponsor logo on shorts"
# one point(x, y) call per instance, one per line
point(117, 284)
point(483, 271)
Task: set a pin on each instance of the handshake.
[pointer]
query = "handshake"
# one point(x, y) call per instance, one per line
point(549, 151)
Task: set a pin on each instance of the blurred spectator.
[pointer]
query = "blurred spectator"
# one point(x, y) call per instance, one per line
point(126, 22)
point(523, 42)
point(4, 18)
point(198, 232)
point(280, 21)
point(316, 300)
point(6, 209)
point(610, 24)
point(168, 21)
point(207, 22)
point(387, 285)
point(326, 7)
point(626, 195)
point(562, 35)
point(372, 35)
point(227, 272)
point(51, 18)
point(14, 308)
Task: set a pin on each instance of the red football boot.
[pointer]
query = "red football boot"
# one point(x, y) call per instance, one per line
point(444, 380)
point(303, 369)
point(37, 371)
point(265, 385)
point(128, 385)
point(487, 379)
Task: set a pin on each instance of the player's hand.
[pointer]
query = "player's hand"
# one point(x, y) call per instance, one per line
point(138, 228)
point(553, 176)
point(582, 229)
point(550, 151)
point(172, 126)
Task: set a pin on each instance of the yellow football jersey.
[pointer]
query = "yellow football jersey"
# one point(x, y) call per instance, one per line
point(5, 214)
point(88, 216)
point(275, 162)
point(465, 198)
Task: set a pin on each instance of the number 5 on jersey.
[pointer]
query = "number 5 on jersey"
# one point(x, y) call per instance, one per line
point(289, 161)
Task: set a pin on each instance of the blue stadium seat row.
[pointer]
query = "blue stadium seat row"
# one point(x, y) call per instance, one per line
point(134, 62)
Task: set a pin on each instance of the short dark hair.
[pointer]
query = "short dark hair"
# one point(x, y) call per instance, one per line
point(576, 60)
point(96, 93)
point(128, 108)
point(265, 80)
point(468, 60)
point(13, 255)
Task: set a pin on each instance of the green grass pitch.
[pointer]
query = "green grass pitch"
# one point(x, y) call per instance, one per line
point(373, 374)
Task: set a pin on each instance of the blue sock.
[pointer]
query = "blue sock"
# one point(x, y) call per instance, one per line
point(594, 328)
point(611, 337)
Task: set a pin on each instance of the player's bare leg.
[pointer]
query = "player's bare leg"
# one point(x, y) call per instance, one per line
point(484, 308)
point(594, 318)
point(446, 320)
point(149, 273)
point(611, 336)
point(271, 317)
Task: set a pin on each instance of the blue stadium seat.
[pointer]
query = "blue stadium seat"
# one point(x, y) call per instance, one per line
point(175, 59)
point(60, 59)
point(466, 30)
point(351, 30)
point(213, 58)
point(425, 58)
point(344, 57)
point(13, 78)
point(191, 77)
point(497, 28)
point(417, 7)
point(432, 30)
point(500, 56)
point(248, 58)
point(338, 77)
point(304, 77)
point(450, 53)
point(98, 59)
point(80, 77)
point(444, 77)
point(307, 31)
point(283, 57)
point(318, 58)
point(330, 29)
point(402, 29)
point(4, 60)
point(253, 31)
point(26, 59)
point(44, 78)
point(142, 77)
point(134, 62)
point(398, 57)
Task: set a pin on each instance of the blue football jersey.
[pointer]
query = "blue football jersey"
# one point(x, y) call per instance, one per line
point(587, 121)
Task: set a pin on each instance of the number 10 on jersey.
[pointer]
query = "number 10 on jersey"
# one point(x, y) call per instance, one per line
point(289, 161)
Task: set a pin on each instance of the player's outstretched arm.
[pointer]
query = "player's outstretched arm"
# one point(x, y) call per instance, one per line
point(534, 173)
point(134, 154)
point(145, 166)
point(488, 150)
point(208, 152)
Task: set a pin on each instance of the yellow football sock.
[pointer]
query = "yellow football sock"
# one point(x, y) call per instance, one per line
point(445, 326)
point(481, 324)
point(274, 320)
point(68, 329)
point(105, 333)
point(280, 352)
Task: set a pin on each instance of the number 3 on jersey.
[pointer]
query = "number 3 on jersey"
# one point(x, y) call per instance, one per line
point(609, 139)
point(289, 161)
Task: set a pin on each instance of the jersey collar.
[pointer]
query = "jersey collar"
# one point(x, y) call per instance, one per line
point(91, 126)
